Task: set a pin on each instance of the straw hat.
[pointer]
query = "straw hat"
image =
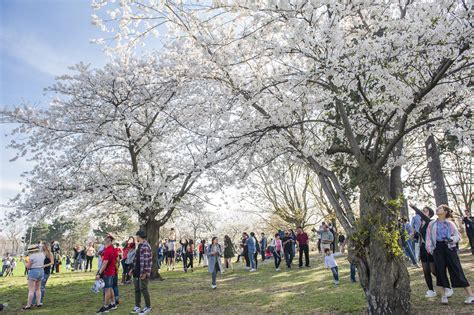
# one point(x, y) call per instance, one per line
point(33, 248)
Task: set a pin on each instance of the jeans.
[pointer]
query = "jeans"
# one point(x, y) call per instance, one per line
point(141, 287)
point(277, 258)
point(335, 273)
point(252, 260)
point(262, 252)
point(159, 261)
point(353, 272)
point(409, 252)
point(43, 288)
point(115, 286)
point(289, 257)
point(214, 274)
point(304, 249)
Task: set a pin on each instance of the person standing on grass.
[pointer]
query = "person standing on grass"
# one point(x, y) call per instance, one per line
point(47, 268)
point(441, 238)
point(90, 253)
point(302, 239)
point(326, 238)
point(251, 251)
point(190, 255)
point(245, 250)
point(184, 254)
point(214, 254)
point(277, 247)
point(468, 221)
point(342, 243)
point(405, 239)
point(107, 272)
point(171, 249)
point(287, 242)
point(35, 266)
point(263, 247)
point(141, 273)
point(160, 253)
point(229, 252)
point(201, 249)
point(330, 262)
point(126, 247)
point(118, 254)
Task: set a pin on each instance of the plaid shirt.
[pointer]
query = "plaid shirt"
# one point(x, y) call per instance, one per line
point(145, 259)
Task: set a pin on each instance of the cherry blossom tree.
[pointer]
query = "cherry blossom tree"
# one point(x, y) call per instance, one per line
point(113, 141)
point(329, 83)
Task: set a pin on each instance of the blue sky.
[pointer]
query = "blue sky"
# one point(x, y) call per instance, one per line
point(39, 39)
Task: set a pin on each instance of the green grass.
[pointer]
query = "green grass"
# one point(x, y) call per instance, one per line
point(298, 291)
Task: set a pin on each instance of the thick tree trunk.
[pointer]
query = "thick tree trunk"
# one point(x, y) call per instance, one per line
point(152, 230)
point(383, 274)
point(436, 172)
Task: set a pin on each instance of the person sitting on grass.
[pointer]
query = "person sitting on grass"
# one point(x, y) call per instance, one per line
point(141, 271)
point(214, 254)
point(330, 262)
point(107, 272)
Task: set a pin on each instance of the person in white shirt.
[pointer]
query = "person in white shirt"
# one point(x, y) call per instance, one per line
point(330, 262)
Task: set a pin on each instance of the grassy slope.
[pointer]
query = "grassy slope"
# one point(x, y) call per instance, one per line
point(299, 291)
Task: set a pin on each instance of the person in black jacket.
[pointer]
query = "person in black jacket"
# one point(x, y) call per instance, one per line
point(469, 224)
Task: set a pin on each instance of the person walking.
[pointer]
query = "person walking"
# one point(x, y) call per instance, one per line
point(251, 251)
point(245, 251)
point(330, 262)
point(342, 243)
point(107, 272)
point(263, 245)
point(442, 236)
point(277, 250)
point(229, 252)
point(427, 261)
point(468, 221)
point(35, 266)
point(141, 271)
point(201, 249)
point(90, 253)
point(287, 242)
point(184, 255)
point(214, 254)
point(302, 240)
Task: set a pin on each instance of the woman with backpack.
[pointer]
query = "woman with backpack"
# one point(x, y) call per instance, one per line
point(229, 252)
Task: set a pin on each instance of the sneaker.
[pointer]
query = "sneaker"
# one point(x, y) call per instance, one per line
point(430, 294)
point(444, 300)
point(112, 307)
point(103, 310)
point(146, 310)
point(136, 310)
point(448, 292)
point(469, 300)
point(252, 270)
point(247, 268)
point(336, 282)
point(278, 269)
point(213, 286)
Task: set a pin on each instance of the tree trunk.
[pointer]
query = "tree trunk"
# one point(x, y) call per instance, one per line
point(436, 172)
point(152, 230)
point(396, 184)
point(382, 272)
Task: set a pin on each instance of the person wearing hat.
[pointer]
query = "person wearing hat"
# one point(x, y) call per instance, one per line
point(141, 271)
point(107, 272)
point(35, 267)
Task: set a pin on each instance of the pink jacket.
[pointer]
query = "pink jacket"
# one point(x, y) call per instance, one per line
point(431, 235)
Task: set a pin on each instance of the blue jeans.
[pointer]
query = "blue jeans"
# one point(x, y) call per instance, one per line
point(252, 260)
point(43, 288)
point(335, 273)
point(116, 290)
point(353, 272)
point(409, 252)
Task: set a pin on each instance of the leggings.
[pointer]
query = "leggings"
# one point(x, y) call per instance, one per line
point(190, 259)
point(277, 258)
point(447, 258)
point(89, 262)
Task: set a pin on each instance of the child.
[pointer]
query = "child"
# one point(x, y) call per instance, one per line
point(330, 262)
point(68, 262)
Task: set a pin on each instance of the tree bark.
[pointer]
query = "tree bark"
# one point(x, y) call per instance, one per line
point(396, 184)
point(382, 274)
point(152, 229)
point(436, 172)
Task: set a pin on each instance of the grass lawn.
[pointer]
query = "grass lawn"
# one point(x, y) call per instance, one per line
point(298, 291)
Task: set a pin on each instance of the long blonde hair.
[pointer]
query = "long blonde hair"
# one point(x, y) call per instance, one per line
point(47, 251)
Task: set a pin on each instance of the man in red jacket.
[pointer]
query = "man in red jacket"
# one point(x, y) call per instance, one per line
point(302, 240)
point(108, 272)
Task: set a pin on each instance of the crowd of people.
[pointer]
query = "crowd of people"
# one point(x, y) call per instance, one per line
point(433, 242)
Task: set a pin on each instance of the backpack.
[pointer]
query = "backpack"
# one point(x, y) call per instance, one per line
point(131, 256)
